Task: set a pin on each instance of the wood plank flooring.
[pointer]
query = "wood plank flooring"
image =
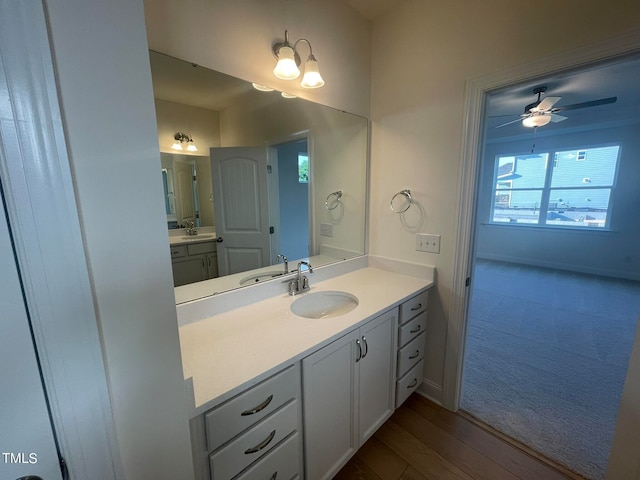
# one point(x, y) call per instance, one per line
point(423, 441)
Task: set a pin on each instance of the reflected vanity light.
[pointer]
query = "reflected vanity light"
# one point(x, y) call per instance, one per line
point(181, 138)
point(287, 95)
point(289, 60)
point(262, 88)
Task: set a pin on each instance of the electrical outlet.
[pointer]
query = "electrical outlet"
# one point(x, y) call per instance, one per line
point(326, 230)
point(427, 243)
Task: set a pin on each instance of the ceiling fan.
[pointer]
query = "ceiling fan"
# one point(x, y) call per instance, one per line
point(541, 112)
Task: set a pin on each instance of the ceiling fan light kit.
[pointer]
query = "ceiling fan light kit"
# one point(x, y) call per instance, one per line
point(542, 111)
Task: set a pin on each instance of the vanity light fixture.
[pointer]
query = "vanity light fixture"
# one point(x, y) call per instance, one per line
point(181, 138)
point(289, 61)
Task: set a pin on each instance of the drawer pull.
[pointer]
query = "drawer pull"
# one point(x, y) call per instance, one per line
point(413, 384)
point(415, 355)
point(359, 350)
point(260, 407)
point(416, 330)
point(417, 307)
point(261, 445)
point(366, 346)
point(274, 476)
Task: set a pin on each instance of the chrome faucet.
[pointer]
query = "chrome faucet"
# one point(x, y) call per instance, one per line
point(191, 229)
point(301, 282)
point(285, 261)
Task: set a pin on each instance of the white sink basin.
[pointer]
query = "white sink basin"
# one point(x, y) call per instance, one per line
point(324, 304)
point(261, 277)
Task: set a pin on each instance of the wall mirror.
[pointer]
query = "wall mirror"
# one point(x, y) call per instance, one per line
point(272, 177)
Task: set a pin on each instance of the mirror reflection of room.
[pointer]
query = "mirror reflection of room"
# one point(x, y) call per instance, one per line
point(250, 201)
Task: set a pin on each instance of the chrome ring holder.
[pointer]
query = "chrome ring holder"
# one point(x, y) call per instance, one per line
point(335, 202)
point(406, 193)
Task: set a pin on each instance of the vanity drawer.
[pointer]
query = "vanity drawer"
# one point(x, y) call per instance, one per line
point(413, 307)
point(411, 353)
point(241, 452)
point(281, 463)
point(204, 247)
point(237, 414)
point(412, 328)
point(409, 383)
point(178, 251)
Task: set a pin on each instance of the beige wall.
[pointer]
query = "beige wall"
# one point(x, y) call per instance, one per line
point(423, 52)
point(203, 125)
point(235, 37)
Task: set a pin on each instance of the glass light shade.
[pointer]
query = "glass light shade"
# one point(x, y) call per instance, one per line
point(176, 146)
point(192, 147)
point(286, 67)
point(536, 120)
point(312, 77)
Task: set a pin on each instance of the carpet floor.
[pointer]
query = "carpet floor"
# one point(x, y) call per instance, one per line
point(546, 358)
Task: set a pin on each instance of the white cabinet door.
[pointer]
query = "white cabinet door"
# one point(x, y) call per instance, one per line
point(329, 393)
point(376, 399)
point(348, 392)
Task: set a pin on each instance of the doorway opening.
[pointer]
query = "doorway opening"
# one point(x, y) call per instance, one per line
point(555, 290)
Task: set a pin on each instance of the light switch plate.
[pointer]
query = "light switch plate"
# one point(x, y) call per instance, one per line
point(326, 230)
point(427, 243)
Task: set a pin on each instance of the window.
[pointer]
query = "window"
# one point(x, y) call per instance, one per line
point(573, 190)
point(303, 168)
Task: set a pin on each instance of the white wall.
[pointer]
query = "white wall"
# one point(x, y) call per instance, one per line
point(101, 58)
point(615, 253)
point(422, 54)
point(235, 37)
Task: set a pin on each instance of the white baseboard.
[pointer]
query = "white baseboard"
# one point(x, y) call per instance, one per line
point(431, 391)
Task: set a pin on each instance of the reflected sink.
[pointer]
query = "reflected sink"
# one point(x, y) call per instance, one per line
point(261, 277)
point(324, 304)
point(197, 237)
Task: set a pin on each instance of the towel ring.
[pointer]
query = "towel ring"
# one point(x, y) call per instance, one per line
point(336, 202)
point(406, 193)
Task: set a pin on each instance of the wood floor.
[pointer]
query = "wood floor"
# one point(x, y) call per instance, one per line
point(424, 441)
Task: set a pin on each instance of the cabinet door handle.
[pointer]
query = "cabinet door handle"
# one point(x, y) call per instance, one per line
point(417, 307)
point(274, 476)
point(260, 407)
point(416, 330)
point(261, 445)
point(415, 355)
point(359, 350)
point(366, 346)
point(413, 384)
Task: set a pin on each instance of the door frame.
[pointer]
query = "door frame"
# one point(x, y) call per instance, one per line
point(42, 212)
point(476, 93)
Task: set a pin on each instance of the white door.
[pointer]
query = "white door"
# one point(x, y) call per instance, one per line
point(26, 437)
point(241, 205)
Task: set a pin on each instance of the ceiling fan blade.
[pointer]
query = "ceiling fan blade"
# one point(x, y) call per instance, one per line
point(593, 103)
point(546, 104)
point(508, 123)
point(557, 118)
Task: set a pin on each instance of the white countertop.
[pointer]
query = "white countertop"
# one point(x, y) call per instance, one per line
point(226, 353)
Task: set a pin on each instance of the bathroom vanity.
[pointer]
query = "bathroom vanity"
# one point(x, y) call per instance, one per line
point(275, 394)
point(193, 258)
